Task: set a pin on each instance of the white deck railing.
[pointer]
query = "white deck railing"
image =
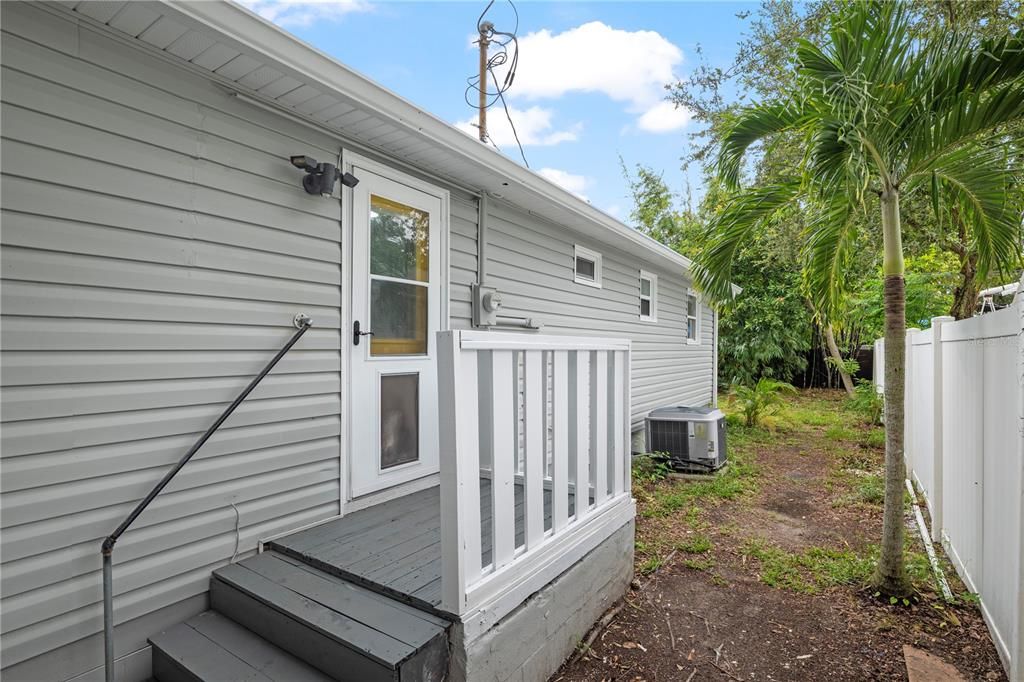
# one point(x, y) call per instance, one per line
point(530, 417)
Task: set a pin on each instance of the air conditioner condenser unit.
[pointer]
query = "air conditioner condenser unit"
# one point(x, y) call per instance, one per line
point(693, 438)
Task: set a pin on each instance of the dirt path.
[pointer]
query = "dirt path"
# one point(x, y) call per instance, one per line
point(757, 575)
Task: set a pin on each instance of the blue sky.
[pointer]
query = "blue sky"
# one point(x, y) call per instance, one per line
point(588, 88)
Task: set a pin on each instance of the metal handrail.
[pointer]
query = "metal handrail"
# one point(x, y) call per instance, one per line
point(303, 322)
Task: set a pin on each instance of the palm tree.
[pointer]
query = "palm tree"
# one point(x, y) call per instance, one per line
point(881, 115)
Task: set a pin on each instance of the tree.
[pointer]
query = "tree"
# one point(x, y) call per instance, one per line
point(881, 114)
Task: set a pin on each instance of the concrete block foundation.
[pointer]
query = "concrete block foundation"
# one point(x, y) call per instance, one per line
point(530, 644)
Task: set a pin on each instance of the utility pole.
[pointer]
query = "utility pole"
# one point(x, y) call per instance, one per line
point(485, 29)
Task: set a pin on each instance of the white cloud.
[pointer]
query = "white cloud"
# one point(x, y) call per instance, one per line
point(569, 181)
point(533, 125)
point(664, 117)
point(627, 66)
point(304, 12)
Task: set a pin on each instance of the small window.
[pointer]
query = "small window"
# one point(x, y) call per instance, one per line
point(587, 269)
point(648, 297)
point(692, 318)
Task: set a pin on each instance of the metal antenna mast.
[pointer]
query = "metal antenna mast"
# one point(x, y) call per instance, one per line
point(485, 29)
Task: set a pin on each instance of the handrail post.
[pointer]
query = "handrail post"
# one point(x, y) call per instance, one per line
point(460, 470)
point(303, 323)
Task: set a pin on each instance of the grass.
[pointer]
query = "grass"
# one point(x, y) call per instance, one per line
point(871, 489)
point(840, 433)
point(736, 479)
point(817, 568)
point(873, 438)
point(679, 514)
point(698, 544)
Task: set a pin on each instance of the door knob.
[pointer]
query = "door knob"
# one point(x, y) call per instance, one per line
point(356, 333)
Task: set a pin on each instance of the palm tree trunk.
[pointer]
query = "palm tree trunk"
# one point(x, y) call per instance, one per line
point(965, 294)
point(837, 358)
point(890, 577)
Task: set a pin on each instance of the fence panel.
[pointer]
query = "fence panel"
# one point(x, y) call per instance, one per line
point(920, 397)
point(965, 449)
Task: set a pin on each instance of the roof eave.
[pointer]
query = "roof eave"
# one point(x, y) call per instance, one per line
point(249, 29)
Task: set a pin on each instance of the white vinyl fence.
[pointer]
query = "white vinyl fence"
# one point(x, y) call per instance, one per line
point(965, 451)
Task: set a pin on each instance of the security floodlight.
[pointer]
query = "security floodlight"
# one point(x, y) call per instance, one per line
point(320, 177)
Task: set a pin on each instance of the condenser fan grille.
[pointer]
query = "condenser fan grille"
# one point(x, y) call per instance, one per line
point(670, 437)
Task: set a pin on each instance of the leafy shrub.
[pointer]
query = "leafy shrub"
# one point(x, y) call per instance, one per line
point(650, 468)
point(867, 402)
point(762, 399)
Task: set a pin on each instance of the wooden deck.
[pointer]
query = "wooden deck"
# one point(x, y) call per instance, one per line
point(395, 547)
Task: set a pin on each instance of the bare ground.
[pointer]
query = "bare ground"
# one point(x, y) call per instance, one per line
point(760, 575)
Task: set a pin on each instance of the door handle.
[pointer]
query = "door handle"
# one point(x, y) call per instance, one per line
point(356, 333)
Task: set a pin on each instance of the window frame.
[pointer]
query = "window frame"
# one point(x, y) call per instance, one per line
point(652, 297)
point(592, 256)
point(695, 317)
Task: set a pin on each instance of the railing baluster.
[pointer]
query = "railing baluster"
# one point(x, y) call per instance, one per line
point(504, 437)
point(617, 427)
point(460, 470)
point(599, 424)
point(533, 479)
point(560, 440)
point(582, 454)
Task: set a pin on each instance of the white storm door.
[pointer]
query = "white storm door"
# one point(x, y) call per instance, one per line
point(396, 303)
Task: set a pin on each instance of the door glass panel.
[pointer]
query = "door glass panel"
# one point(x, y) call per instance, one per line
point(399, 419)
point(399, 240)
point(398, 314)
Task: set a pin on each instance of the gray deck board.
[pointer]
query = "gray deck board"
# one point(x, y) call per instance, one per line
point(212, 647)
point(395, 547)
point(315, 616)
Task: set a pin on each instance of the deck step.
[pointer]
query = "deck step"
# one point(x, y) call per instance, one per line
point(212, 647)
point(342, 629)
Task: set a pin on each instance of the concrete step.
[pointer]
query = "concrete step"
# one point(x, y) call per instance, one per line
point(212, 647)
point(342, 629)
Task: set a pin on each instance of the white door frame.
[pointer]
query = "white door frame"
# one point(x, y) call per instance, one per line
point(350, 160)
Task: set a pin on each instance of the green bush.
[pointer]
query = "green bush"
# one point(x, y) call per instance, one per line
point(867, 402)
point(762, 399)
point(650, 468)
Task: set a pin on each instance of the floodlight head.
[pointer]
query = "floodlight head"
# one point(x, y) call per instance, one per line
point(303, 162)
point(349, 180)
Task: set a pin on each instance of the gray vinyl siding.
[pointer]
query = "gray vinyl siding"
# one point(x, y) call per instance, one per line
point(531, 262)
point(155, 249)
point(462, 257)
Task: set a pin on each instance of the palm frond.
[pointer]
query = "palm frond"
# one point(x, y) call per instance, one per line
point(751, 125)
point(829, 239)
point(979, 183)
point(731, 230)
point(964, 117)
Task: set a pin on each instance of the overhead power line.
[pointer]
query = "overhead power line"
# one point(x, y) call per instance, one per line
point(507, 53)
